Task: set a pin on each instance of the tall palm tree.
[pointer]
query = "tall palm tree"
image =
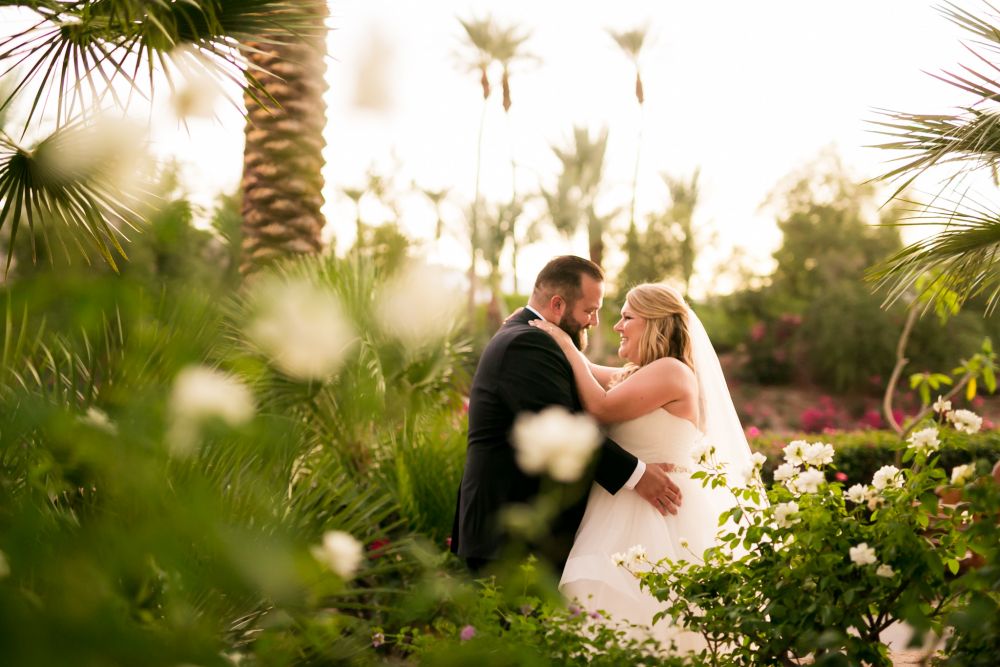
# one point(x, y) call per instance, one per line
point(572, 202)
point(283, 155)
point(966, 255)
point(683, 200)
point(508, 49)
point(632, 43)
point(481, 35)
point(81, 57)
point(491, 43)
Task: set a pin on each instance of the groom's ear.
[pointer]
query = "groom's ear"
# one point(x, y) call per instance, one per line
point(558, 305)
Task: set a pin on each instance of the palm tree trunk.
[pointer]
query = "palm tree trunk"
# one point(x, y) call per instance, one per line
point(283, 157)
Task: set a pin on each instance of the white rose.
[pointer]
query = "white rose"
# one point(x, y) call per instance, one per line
point(857, 493)
point(809, 481)
point(636, 554)
point(618, 559)
point(941, 406)
point(818, 454)
point(785, 471)
point(887, 476)
point(862, 555)
point(340, 552)
point(701, 452)
point(99, 419)
point(794, 451)
point(301, 327)
point(201, 394)
point(758, 460)
point(924, 440)
point(965, 421)
point(962, 474)
point(420, 304)
point(783, 512)
point(885, 571)
point(556, 442)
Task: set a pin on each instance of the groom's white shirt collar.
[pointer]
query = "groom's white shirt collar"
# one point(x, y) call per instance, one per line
point(535, 312)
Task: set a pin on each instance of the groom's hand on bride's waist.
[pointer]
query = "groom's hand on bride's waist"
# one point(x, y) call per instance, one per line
point(658, 489)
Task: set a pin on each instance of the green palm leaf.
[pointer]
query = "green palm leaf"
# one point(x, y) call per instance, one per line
point(965, 257)
point(68, 178)
point(76, 51)
point(971, 136)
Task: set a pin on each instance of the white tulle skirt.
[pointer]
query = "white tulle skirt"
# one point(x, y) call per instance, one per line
point(614, 524)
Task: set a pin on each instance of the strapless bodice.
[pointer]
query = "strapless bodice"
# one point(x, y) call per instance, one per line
point(657, 437)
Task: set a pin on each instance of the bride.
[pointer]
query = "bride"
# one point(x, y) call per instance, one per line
point(670, 397)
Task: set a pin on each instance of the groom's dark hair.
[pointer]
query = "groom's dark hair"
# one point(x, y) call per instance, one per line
point(564, 275)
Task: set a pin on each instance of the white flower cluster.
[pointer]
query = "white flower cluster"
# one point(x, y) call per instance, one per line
point(924, 441)
point(860, 493)
point(635, 555)
point(201, 394)
point(941, 406)
point(555, 441)
point(784, 514)
point(962, 474)
point(814, 456)
point(862, 555)
point(340, 552)
point(419, 305)
point(965, 421)
point(301, 327)
point(887, 477)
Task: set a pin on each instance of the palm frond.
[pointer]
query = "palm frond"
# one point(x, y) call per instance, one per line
point(69, 178)
point(970, 137)
point(76, 52)
point(964, 258)
point(632, 41)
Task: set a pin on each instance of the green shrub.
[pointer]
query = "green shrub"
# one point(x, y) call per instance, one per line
point(522, 621)
point(823, 568)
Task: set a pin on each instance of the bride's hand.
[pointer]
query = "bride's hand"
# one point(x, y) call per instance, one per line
point(560, 336)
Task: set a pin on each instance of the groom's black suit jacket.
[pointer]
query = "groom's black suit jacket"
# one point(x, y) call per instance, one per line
point(522, 369)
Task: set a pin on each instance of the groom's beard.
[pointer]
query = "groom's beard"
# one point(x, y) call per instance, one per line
point(576, 333)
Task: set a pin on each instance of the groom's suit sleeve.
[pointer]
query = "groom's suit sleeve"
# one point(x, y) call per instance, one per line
point(534, 375)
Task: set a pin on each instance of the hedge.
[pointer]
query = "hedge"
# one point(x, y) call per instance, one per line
point(860, 453)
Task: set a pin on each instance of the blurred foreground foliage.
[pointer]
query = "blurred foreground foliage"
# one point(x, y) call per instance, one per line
point(130, 550)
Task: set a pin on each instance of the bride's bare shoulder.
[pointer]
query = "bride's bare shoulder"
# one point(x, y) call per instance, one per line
point(670, 370)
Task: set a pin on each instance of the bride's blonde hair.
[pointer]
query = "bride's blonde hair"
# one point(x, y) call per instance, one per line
point(666, 333)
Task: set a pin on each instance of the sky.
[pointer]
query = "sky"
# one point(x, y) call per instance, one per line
point(746, 92)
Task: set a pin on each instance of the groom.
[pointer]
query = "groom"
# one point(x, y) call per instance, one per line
point(522, 369)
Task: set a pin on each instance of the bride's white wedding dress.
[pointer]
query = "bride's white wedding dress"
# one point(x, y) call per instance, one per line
point(613, 524)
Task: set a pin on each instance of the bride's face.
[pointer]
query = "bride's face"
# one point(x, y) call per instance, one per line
point(630, 327)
